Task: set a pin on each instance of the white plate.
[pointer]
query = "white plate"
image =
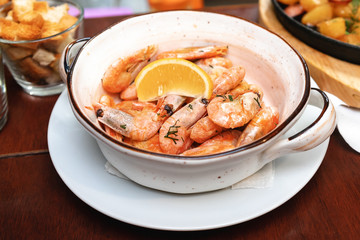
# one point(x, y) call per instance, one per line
point(80, 164)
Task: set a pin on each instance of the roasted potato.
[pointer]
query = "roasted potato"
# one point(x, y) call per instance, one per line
point(338, 19)
point(289, 2)
point(318, 14)
point(309, 5)
point(333, 28)
point(342, 10)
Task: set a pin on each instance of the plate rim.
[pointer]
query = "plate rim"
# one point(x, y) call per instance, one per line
point(78, 192)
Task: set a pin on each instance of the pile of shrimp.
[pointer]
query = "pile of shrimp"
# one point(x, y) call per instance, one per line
point(234, 116)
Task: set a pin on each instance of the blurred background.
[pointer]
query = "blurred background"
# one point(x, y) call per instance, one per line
point(142, 6)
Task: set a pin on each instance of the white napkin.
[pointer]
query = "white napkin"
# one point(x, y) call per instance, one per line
point(261, 179)
point(348, 122)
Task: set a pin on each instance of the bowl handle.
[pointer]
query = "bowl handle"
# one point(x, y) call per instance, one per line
point(68, 55)
point(310, 137)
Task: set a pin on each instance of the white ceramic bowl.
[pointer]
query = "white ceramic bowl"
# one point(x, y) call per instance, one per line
point(269, 62)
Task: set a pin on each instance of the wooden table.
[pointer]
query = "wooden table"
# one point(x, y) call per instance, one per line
point(36, 204)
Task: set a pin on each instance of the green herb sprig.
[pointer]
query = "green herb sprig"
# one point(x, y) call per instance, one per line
point(173, 130)
point(257, 100)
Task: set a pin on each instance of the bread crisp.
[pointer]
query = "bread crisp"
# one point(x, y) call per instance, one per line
point(21, 7)
point(7, 29)
point(31, 20)
point(42, 20)
point(54, 14)
point(3, 1)
point(17, 53)
point(34, 70)
point(41, 7)
point(44, 57)
point(27, 32)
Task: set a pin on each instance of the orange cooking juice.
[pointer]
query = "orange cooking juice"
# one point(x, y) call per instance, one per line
point(162, 5)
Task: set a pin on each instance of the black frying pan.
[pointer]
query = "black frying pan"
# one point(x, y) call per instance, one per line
point(311, 37)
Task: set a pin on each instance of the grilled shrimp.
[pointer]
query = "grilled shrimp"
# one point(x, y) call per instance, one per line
point(228, 80)
point(129, 93)
point(121, 73)
point(232, 113)
point(106, 100)
point(167, 126)
point(214, 66)
point(174, 134)
point(245, 87)
point(193, 53)
point(133, 107)
point(264, 121)
point(204, 129)
point(139, 125)
point(215, 61)
point(222, 142)
point(152, 144)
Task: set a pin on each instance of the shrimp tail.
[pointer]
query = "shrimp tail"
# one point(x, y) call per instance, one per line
point(263, 122)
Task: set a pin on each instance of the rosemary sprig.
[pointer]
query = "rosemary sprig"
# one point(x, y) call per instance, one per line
point(225, 97)
point(173, 130)
point(257, 100)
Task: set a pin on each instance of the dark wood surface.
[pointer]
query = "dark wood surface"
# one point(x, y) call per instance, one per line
point(36, 204)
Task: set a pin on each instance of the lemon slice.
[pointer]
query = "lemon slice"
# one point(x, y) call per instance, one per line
point(172, 76)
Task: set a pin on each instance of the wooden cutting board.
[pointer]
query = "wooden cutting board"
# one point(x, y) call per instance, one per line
point(332, 75)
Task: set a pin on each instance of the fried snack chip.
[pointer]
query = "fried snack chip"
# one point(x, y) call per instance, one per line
point(34, 70)
point(41, 7)
point(27, 32)
point(21, 7)
point(31, 19)
point(16, 53)
point(25, 20)
point(3, 2)
point(7, 28)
